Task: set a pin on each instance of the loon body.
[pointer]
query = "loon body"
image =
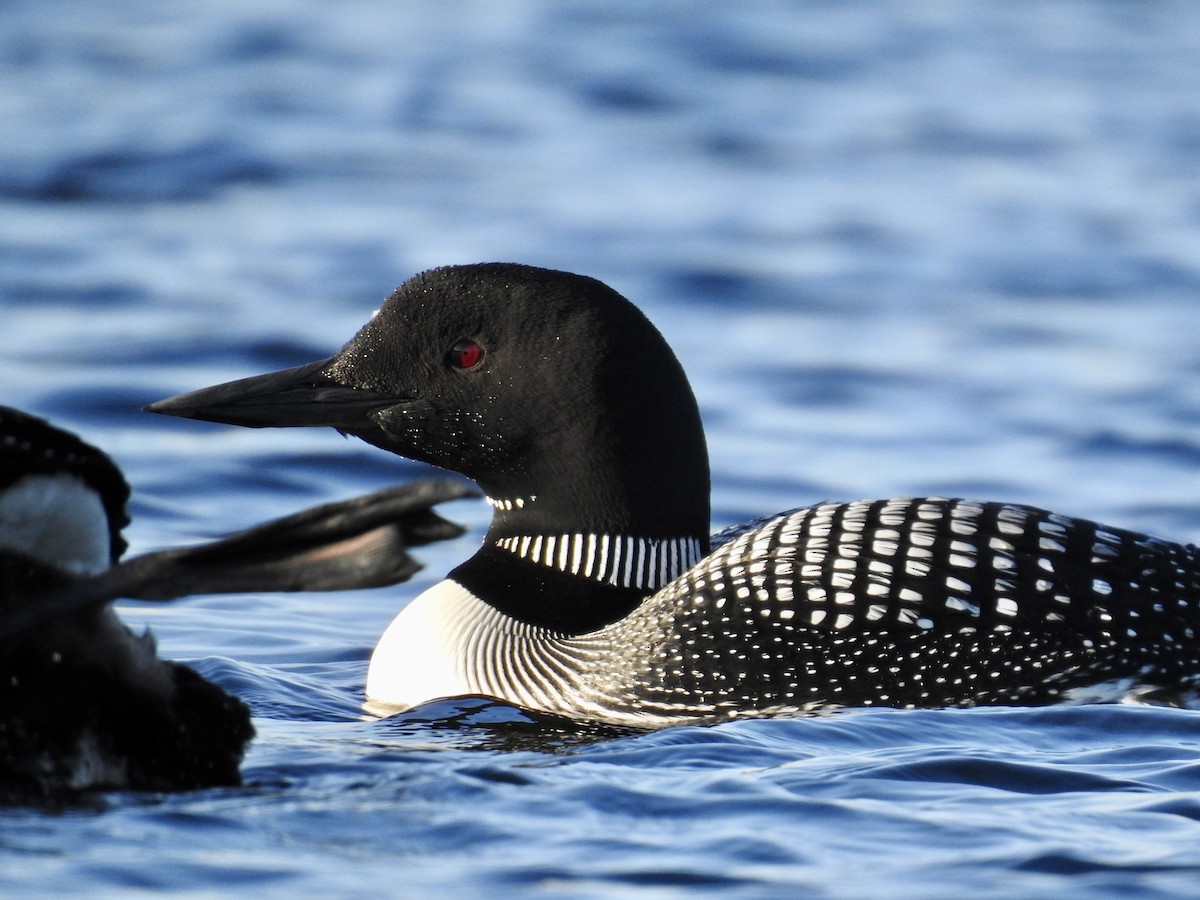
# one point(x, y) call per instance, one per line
point(85, 703)
point(598, 593)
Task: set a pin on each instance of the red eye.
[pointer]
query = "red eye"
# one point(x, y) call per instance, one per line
point(465, 354)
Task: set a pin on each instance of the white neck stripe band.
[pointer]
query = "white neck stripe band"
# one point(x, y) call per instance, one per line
point(619, 560)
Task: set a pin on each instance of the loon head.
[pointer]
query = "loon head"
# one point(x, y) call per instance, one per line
point(549, 390)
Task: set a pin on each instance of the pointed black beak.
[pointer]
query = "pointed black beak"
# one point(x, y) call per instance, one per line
point(303, 396)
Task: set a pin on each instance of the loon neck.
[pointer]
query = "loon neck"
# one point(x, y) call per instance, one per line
point(666, 515)
point(639, 532)
point(619, 560)
point(646, 479)
point(545, 596)
point(572, 569)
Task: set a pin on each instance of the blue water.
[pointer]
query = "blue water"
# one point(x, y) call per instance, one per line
point(901, 249)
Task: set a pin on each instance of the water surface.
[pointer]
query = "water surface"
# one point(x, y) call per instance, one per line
point(901, 250)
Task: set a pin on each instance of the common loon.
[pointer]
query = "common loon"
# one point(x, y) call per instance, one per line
point(598, 594)
point(85, 703)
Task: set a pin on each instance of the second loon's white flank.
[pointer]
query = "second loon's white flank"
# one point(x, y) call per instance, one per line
point(618, 560)
point(57, 519)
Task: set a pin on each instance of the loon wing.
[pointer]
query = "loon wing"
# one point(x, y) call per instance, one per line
point(961, 563)
point(925, 602)
point(357, 543)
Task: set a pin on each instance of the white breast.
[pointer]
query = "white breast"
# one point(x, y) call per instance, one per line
point(419, 656)
point(449, 643)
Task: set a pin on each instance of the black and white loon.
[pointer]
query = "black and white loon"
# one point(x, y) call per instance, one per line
point(598, 594)
point(85, 703)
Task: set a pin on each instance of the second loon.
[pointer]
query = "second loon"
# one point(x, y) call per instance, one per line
point(598, 594)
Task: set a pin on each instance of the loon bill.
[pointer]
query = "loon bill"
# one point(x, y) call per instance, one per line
point(597, 592)
point(85, 703)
